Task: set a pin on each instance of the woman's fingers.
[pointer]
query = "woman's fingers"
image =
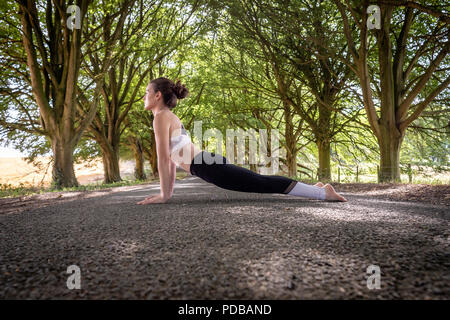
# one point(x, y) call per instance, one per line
point(146, 200)
point(153, 199)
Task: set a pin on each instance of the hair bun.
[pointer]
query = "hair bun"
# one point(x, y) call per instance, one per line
point(180, 90)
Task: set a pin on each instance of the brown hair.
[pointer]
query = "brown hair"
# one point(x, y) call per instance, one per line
point(170, 91)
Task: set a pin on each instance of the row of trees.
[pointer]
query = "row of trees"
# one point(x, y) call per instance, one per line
point(311, 69)
point(84, 82)
point(323, 63)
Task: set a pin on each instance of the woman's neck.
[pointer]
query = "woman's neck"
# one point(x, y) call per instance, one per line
point(155, 112)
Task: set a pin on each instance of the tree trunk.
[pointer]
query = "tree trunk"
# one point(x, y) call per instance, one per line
point(291, 143)
point(153, 158)
point(136, 144)
point(291, 162)
point(390, 144)
point(324, 160)
point(139, 173)
point(390, 138)
point(252, 166)
point(111, 168)
point(63, 175)
point(153, 163)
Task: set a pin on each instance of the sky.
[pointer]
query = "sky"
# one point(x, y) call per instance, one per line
point(10, 152)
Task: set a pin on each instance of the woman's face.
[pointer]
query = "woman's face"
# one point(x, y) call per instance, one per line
point(149, 98)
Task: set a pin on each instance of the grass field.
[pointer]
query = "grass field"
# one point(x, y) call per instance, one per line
point(21, 178)
point(16, 172)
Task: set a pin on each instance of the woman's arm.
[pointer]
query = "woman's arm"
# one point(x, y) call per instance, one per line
point(161, 128)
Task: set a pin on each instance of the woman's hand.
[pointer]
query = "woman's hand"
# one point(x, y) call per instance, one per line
point(154, 199)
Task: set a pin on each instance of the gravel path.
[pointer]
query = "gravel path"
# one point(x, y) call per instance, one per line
point(210, 243)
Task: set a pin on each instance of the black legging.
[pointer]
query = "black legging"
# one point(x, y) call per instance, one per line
point(229, 176)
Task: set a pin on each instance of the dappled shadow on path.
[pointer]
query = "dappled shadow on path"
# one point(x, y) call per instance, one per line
point(225, 245)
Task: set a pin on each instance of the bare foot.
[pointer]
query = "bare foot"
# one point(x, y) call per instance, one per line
point(332, 195)
point(319, 184)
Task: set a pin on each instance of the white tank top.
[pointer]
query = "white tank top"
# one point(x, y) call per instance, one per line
point(179, 141)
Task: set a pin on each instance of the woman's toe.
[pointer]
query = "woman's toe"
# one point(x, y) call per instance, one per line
point(319, 184)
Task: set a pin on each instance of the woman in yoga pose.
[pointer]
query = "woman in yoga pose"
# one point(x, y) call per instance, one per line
point(177, 149)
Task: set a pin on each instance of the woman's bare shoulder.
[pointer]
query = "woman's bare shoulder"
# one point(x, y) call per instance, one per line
point(166, 115)
point(174, 120)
